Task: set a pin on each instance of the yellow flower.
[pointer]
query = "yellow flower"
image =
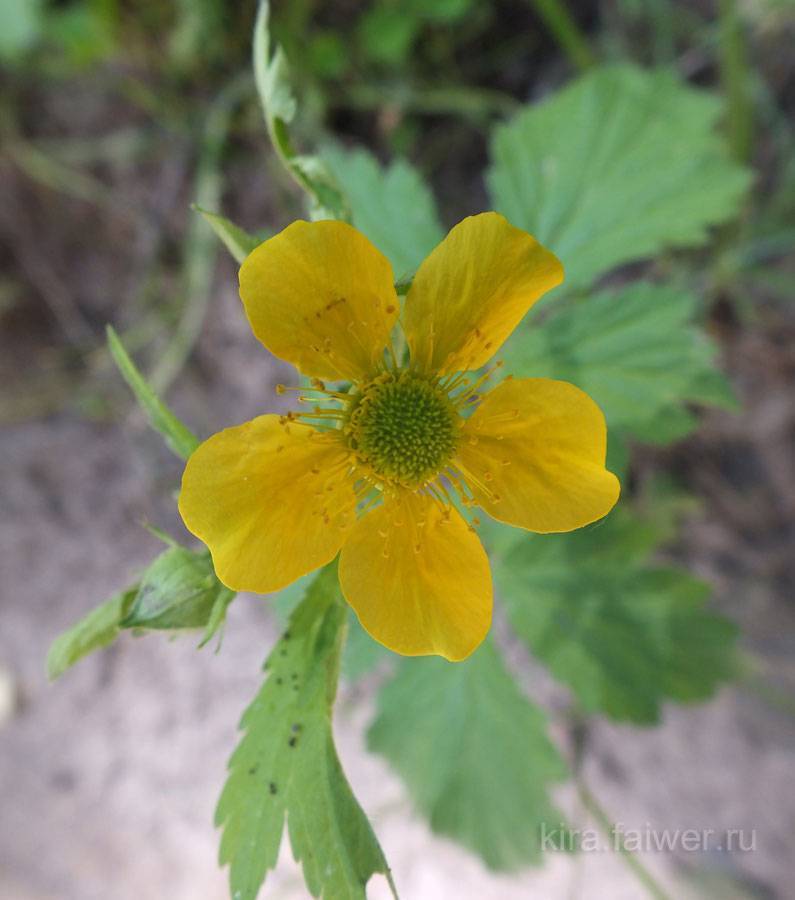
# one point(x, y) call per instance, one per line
point(368, 472)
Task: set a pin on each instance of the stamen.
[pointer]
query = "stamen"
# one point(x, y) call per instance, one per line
point(469, 394)
point(471, 478)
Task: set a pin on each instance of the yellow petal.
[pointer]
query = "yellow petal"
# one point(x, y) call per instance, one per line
point(533, 454)
point(271, 501)
point(435, 599)
point(320, 296)
point(473, 290)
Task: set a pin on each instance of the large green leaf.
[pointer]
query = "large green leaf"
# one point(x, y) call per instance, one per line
point(636, 351)
point(392, 205)
point(474, 754)
point(614, 168)
point(624, 634)
point(96, 630)
point(286, 766)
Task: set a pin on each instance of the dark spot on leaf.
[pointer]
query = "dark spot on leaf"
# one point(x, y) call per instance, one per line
point(253, 769)
point(272, 787)
point(296, 727)
point(286, 636)
point(294, 675)
point(293, 741)
point(279, 681)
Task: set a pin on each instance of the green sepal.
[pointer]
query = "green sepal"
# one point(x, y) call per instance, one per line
point(180, 590)
point(178, 436)
point(237, 241)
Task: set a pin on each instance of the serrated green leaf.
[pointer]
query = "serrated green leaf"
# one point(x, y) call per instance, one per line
point(179, 590)
point(178, 437)
point(286, 766)
point(616, 167)
point(237, 241)
point(217, 615)
point(392, 205)
point(474, 754)
point(635, 351)
point(98, 629)
point(624, 634)
point(361, 653)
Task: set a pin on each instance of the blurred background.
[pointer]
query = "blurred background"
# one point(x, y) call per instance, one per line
point(115, 116)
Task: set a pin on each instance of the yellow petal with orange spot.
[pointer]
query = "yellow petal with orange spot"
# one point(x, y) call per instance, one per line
point(320, 296)
point(270, 499)
point(473, 290)
point(418, 579)
point(533, 454)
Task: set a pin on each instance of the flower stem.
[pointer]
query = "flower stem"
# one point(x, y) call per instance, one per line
point(604, 821)
point(735, 78)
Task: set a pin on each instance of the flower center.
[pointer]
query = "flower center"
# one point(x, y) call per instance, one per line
point(403, 428)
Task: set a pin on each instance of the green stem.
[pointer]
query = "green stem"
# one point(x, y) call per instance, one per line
point(474, 104)
point(606, 824)
point(735, 77)
point(561, 23)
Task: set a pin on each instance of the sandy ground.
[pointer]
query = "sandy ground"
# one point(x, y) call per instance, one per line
point(109, 777)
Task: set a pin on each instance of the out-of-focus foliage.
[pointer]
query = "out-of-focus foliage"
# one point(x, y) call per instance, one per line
point(474, 754)
point(623, 633)
point(392, 205)
point(637, 351)
point(388, 29)
point(616, 167)
point(83, 32)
